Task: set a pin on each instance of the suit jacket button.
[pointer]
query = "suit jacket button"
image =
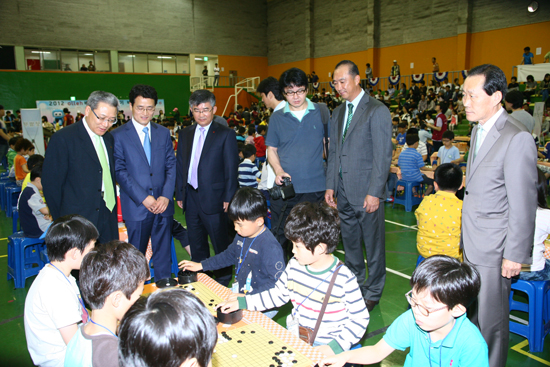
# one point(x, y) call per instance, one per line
point(96, 209)
point(466, 192)
point(151, 174)
point(150, 189)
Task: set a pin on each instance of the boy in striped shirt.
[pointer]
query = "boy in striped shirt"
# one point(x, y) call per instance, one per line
point(248, 171)
point(314, 230)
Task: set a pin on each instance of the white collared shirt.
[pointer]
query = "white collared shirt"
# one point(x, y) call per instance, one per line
point(195, 142)
point(139, 128)
point(488, 125)
point(281, 105)
point(92, 136)
point(355, 103)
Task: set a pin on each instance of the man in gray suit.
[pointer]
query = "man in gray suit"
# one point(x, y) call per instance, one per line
point(358, 166)
point(500, 202)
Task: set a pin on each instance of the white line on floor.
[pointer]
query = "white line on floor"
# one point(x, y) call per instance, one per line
point(402, 225)
point(387, 269)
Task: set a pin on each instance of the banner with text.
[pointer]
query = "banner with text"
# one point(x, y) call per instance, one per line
point(32, 128)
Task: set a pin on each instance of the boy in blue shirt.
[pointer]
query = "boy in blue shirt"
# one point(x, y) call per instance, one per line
point(436, 327)
point(401, 129)
point(410, 162)
point(248, 171)
point(111, 279)
point(255, 253)
point(448, 152)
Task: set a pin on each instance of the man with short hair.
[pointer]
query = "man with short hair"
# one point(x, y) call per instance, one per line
point(145, 167)
point(216, 75)
point(68, 119)
point(527, 57)
point(271, 94)
point(358, 166)
point(206, 179)
point(500, 203)
point(435, 66)
point(205, 75)
point(514, 102)
point(78, 175)
point(295, 147)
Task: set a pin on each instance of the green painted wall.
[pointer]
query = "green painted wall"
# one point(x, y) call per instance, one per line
point(21, 89)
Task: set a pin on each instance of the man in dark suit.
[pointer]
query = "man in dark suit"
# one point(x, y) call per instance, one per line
point(145, 167)
point(207, 170)
point(78, 175)
point(358, 166)
point(500, 203)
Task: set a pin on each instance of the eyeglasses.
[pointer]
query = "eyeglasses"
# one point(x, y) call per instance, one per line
point(423, 310)
point(299, 92)
point(205, 111)
point(148, 109)
point(105, 119)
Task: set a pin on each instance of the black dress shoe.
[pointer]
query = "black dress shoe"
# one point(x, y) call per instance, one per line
point(371, 304)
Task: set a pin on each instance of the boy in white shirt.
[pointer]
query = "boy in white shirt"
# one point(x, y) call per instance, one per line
point(53, 307)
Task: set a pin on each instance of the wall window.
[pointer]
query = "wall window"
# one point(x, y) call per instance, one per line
point(42, 59)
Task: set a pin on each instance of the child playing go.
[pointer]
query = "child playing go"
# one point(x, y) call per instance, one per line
point(111, 278)
point(53, 306)
point(436, 327)
point(314, 230)
point(255, 253)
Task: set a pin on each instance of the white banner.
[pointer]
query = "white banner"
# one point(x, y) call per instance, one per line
point(32, 129)
point(53, 110)
point(537, 71)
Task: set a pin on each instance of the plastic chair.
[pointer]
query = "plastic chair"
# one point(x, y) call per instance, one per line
point(23, 254)
point(538, 309)
point(174, 268)
point(15, 219)
point(4, 185)
point(10, 200)
point(407, 199)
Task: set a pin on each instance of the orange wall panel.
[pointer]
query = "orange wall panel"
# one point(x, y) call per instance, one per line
point(247, 66)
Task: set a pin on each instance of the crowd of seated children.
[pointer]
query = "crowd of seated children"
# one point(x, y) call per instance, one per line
point(24, 148)
point(112, 276)
point(184, 332)
point(53, 307)
point(439, 216)
point(314, 230)
point(248, 171)
point(255, 253)
point(540, 269)
point(34, 215)
point(411, 164)
point(436, 328)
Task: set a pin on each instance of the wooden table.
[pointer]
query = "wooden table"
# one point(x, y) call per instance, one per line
point(249, 321)
point(429, 174)
point(462, 138)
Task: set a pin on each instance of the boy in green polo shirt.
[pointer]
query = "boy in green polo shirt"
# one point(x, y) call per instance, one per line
point(436, 327)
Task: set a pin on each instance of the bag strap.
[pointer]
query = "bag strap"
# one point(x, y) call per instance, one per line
point(325, 302)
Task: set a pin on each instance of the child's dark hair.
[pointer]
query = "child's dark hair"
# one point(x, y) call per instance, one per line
point(261, 129)
point(14, 140)
point(448, 280)
point(34, 160)
point(541, 190)
point(251, 129)
point(23, 144)
point(166, 329)
point(312, 224)
point(249, 150)
point(395, 119)
point(110, 267)
point(70, 231)
point(402, 125)
point(247, 204)
point(36, 171)
point(448, 177)
point(241, 130)
point(411, 139)
point(448, 134)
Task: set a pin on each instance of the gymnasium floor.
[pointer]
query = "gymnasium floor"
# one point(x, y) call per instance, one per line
point(400, 255)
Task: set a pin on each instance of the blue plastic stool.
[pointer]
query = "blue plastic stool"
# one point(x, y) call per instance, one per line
point(538, 310)
point(15, 219)
point(4, 175)
point(407, 199)
point(419, 260)
point(175, 270)
point(10, 199)
point(23, 253)
point(4, 185)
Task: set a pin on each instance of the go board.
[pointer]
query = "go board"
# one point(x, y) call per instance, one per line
point(252, 345)
point(209, 298)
